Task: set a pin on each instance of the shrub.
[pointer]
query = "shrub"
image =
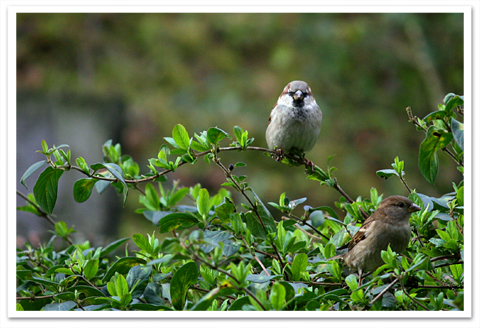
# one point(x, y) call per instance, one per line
point(220, 256)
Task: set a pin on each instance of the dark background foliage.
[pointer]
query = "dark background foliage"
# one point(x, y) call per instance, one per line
point(133, 77)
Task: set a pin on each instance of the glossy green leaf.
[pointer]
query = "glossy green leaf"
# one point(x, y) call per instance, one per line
point(90, 269)
point(435, 140)
point(203, 202)
point(261, 278)
point(82, 189)
point(277, 296)
point(458, 129)
point(31, 170)
point(185, 276)
point(64, 306)
point(112, 246)
point(180, 135)
point(122, 266)
point(46, 188)
point(387, 173)
point(153, 294)
point(299, 265)
point(176, 221)
point(215, 135)
point(453, 102)
point(255, 227)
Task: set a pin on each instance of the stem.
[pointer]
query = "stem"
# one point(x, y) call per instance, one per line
point(307, 224)
point(410, 297)
point(384, 291)
point(255, 256)
point(337, 187)
point(405, 184)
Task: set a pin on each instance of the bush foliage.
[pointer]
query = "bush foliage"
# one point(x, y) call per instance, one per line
point(215, 255)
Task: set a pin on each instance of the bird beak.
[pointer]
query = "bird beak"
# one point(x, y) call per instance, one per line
point(414, 208)
point(298, 95)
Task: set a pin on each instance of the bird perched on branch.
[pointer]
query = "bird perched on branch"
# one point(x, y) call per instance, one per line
point(295, 121)
point(388, 225)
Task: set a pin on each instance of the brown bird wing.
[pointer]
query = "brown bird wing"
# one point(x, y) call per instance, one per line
point(362, 232)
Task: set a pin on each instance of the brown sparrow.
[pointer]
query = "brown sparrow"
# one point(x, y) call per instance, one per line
point(294, 123)
point(388, 225)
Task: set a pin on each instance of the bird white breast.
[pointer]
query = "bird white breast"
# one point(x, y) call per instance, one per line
point(298, 128)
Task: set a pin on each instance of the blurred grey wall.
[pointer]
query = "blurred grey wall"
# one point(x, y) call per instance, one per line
point(84, 123)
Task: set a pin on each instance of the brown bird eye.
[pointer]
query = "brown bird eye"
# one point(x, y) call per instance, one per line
point(401, 205)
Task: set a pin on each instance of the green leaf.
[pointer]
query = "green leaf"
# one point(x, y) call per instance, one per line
point(203, 202)
point(64, 306)
point(215, 135)
point(152, 197)
point(83, 165)
point(453, 102)
point(122, 266)
point(299, 265)
point(327, 209)
point(435, 140)
point(30, 170)
point(82, 189)
point(238, 131)
point(153, 294)
point(46, 188)
point(458, 129)
point(352, 282)
point(185, 276)
point(142, 242)
point(112, 246)
point(118, 285)
point(261, 278)
point(180, 135)
point(255, 227)
point(117, 172)
point(137, 279)
point(90, 269)
point(277, 296)
point(387, 173)
point(204, 303)
point(155, 216)
point(175, 221)
point(224, 210)
point(438, 115)
point(44, 146)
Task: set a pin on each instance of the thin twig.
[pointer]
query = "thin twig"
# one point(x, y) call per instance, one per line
point(384, 291)
point(412, 298)
point(43, 214)
point(291, 216)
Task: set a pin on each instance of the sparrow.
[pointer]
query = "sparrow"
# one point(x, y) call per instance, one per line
point(388, 225)
point(295, 121)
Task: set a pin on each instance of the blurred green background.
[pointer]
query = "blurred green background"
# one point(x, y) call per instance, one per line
point(203, 70)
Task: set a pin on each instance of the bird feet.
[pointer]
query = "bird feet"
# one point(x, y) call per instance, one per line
point(308, 164)
point(279, 154)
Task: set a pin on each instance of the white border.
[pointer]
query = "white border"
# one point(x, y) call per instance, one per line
point(12, 7)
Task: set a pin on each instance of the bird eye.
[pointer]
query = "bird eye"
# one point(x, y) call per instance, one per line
point(401, 205)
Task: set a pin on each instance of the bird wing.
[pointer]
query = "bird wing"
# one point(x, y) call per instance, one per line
point(362, 232)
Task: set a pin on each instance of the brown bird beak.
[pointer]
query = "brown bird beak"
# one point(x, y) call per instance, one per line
point(298, 95)
point(414, 208)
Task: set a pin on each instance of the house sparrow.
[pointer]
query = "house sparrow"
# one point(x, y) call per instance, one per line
point(294, 123)
point(388, 225)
